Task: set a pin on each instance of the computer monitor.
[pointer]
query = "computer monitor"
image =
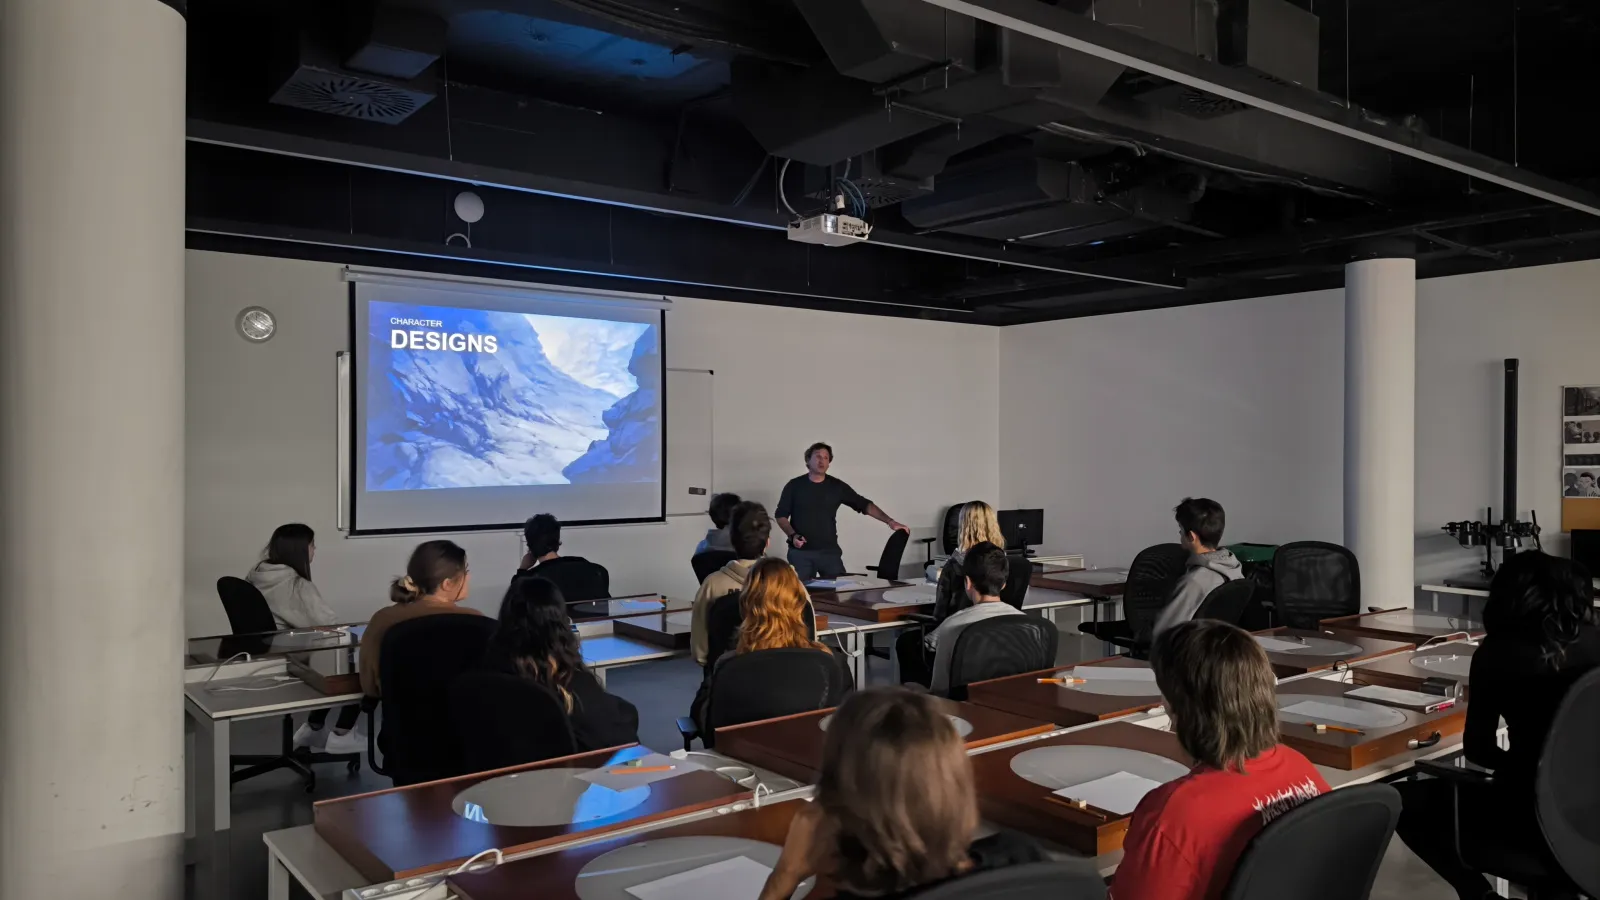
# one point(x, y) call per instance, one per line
point(1585, 549)
point(1021, 528)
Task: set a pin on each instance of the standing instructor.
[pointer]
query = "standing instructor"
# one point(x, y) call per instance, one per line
point(808, 513)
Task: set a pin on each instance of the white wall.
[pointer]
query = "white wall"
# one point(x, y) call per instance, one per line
point(261, 431)
point(1108, 422)
point(1549, 317)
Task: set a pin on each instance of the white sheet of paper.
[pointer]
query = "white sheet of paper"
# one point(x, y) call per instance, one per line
point(1114, 673)
point(1116, 793)
point(1396, 697)
point(1092, 576)
point(739, 878)
point(1328, 712)
point(1281, 645)
point(627, 778)
point(823, 584)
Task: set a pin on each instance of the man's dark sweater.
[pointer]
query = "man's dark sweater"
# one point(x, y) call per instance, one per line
point(812, 509)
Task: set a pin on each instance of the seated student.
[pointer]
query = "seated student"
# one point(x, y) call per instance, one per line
point(534, 639)
point(721, 512)
point(977, 524)
point(895, 808)
point(579, 579)
point(983, 574)
point(1541, 634)
point(1186, 836)
point(750, 529)
point(435, 583)
point(1200, 522)
point(284, 578)
point(772, 617)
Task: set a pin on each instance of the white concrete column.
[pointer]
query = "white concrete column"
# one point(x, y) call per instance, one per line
point(1380, 403)
point(91, 453)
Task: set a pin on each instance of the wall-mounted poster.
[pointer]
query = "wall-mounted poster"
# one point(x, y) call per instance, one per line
point(1580, 457)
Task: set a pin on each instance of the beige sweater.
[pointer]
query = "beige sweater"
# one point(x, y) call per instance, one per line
point(718, 584)
point(387, 618)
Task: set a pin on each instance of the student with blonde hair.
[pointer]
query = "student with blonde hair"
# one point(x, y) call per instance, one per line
point(915, 652)
point(895, 809)
point(1186, 836)
point(772, 608)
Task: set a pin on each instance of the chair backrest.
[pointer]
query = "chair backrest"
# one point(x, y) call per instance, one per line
point(710, 561)
point(1313, 581)
point(1327, 848)
point(893, 551)
point(1151, 578)
point(765, 684)
point(950, 534)
point(247, 610)
point(1228, 601)
point(580, 581)
point(419, 660)
point(723, 618)
point(1567, 786)
point(505, 720)
point(995, 648)
point(1030, 881)
point(1016, 589)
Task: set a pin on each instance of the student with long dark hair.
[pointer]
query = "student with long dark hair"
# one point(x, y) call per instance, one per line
point(283, 576)
point(1540, 636)
point(534, 640)
point(435, 583)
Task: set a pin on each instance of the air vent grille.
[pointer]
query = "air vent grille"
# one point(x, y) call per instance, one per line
point(352, 96)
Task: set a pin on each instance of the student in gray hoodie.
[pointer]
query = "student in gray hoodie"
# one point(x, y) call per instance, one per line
point(721, 512)
point(1200, 521)
point(284, 578)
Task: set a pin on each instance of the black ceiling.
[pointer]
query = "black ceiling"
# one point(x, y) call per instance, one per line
point(637, 143)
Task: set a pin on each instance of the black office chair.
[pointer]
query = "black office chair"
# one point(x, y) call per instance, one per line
point(504, 720)
point(766, 684)
point(250, 619)
point(1151, 579)
point(1327, 848)
point(710, 561)
point(419, 660)
point(894, 550)
point(1016, 589)
point(1313, 581)
point(996, 648)
point(950, 534)
point(581, 582)
point(1030, 881)
point(1228, 602)
point(1564, 856)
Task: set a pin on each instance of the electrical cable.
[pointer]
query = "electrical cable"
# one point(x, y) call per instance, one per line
point(499, 860)
point(782, 198)
point(230, 659)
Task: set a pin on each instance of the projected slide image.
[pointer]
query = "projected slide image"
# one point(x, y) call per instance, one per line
point(465, 398)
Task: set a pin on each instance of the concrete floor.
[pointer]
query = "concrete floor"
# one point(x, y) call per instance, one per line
point(661, 691)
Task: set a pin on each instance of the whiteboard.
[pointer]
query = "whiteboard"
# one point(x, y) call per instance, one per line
point(690, 456)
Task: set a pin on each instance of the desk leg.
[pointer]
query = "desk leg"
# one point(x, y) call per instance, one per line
point(213, 746)
point(277, 878)
point(600, 676)
point(858, 659)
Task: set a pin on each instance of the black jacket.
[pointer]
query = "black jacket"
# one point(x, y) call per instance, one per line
point(579, 580)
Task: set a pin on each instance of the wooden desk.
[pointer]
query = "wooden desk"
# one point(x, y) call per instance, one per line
point(1412, 729)
point(668, 630)
point(413, 830)
point(1066, 705)
point(554, 876)
point(1093, 583)
point(1413, 626)
point(1357, 648)
point(1008, 799)
point(868, 605)
point(792, 745)
point(1448, 661)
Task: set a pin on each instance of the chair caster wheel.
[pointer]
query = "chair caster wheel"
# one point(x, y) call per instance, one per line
point(353, 766)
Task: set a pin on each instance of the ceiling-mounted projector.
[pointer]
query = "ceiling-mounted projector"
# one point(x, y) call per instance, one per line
point(829, 230)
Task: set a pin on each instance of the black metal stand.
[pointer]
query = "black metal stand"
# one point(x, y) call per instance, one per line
point(1510, 532)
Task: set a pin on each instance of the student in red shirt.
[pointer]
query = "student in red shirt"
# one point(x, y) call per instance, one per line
point(1187, 835)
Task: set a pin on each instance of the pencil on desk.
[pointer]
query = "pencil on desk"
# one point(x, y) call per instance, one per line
point(1322, 726)
point(1063, 681)
point(640, 770)
point(1078, 805)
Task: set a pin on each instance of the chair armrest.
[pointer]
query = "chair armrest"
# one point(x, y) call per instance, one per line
point(369, 705)
point(921, 619)
point(1448, 769)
